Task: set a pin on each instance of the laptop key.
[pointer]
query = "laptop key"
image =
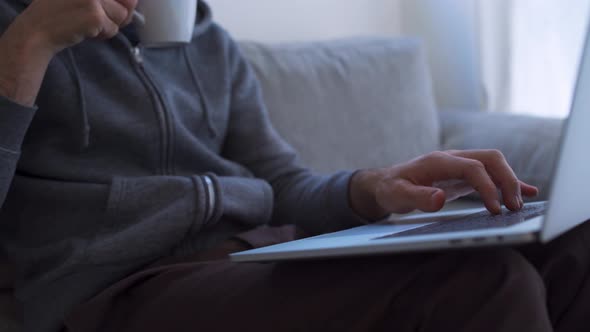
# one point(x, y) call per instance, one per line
point(477, 221)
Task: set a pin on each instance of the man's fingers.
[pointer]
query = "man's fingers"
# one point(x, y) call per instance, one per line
point(116, 12)
point(109, 30)
point(485, 171)
point(130, 5)
point(500, 172)
point(475, 173)
point(440, 166)
point(528, 190)
point(402, 196)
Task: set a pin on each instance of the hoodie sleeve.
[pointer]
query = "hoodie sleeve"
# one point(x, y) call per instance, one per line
point(14, 123)
point(318, 204)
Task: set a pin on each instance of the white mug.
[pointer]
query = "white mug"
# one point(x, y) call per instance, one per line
point(164, 23)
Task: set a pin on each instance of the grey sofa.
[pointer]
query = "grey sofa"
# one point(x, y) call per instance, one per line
point(361, 103)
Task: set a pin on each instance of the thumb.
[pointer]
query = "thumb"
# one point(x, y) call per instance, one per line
point(402, 196)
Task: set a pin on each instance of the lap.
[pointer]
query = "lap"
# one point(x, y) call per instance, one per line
point(564, 265)
point(364, 294)
point(331, 295)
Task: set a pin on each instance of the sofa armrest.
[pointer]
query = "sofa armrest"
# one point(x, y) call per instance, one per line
point(529, 143)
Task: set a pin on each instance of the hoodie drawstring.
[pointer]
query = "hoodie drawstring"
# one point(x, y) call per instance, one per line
point(202, 97)
point(84, 122)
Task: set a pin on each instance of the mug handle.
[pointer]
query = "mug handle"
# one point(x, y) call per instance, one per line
point(138, 17)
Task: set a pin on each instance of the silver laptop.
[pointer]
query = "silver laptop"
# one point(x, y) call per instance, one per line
point(568, 206)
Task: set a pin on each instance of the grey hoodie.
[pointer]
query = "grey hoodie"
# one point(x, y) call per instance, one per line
point(134, 154)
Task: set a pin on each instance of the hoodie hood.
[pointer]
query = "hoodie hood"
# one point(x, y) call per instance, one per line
point(204, 18)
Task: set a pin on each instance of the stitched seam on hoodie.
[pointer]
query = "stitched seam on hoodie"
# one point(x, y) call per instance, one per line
point(171, 139)
point(8, 151)
point(269, 199)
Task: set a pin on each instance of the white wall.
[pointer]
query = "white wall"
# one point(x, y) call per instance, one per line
point(291, 20)
point(450, 29)
point(544, 55)
point(447, 26)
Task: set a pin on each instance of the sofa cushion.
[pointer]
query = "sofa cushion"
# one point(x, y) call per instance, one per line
point(349, 104)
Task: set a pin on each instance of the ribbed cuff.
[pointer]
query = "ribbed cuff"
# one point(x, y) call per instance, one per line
point(15, 120)
point(200, 206)
point(217, 207)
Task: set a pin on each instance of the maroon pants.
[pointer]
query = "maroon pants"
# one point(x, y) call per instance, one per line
point(532, 288)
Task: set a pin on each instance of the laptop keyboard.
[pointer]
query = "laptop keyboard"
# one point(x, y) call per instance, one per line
point(477, 221)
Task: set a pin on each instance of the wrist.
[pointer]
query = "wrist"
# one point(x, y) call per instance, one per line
point(362, 194)
point(28, 41)
point(25, 57)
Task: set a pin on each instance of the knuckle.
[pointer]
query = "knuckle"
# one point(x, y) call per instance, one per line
point(94, 12)
point(419, 161)
point(95, 20)
point(130, 4)
point(513, 183)
point(509, 184)
point(453, 152)
point(476, 165)
point(496, 154)
point(127, 7)
point(396, 185)
point(94, 32)
point(436, 155)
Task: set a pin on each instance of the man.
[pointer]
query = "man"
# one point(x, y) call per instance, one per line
point(128, 174)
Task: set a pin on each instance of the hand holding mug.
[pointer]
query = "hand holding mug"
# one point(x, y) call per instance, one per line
point(47, 27)
point(58, 24)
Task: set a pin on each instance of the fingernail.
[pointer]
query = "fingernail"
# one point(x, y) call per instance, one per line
point(521, 202)
point(516, 202)
point(497, 207)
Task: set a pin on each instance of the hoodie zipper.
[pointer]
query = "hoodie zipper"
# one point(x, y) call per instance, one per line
point(161, 110)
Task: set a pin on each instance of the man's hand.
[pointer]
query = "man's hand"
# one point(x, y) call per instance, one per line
point(63, 23)
point(47, 27)
point(427, 182)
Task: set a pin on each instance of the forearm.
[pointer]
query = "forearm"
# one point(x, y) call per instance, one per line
point(23, 64)
point(317, 204)
point(14, 123)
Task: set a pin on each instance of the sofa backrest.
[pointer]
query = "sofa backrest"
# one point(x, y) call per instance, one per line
point(349, 104)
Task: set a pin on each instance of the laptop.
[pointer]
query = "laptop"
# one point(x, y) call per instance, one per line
point(567, 207)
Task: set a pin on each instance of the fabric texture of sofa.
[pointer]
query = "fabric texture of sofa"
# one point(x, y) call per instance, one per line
point(349, 104)
point(361, 103)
